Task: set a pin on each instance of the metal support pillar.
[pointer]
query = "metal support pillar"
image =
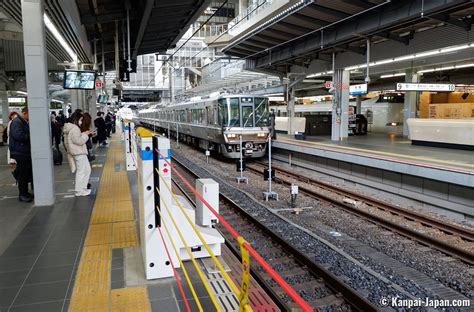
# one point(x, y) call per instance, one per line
point(411, 98)
point(290, 109)
point(117, 57)
point(340, 111)
point(270, 194)
point(103, 66)
point(241, 178)
point(38, 103)
point(170, 76)
point(359, 104)
point(74, 100)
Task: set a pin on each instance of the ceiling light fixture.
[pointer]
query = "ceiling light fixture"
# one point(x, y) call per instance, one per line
point(392, 75)
point(59, 37)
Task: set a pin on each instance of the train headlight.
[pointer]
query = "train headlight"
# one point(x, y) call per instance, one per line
point(231, 135)
point(261, 135)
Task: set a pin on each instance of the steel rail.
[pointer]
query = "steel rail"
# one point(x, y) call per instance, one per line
point(339, 287)
point(443, 246)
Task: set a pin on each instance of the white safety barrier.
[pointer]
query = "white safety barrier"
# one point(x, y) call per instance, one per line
point(156, 261)
point(129, 134)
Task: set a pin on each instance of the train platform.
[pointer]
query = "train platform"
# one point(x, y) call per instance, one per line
point(383, 148)
point(438, 178)
point(85, 254)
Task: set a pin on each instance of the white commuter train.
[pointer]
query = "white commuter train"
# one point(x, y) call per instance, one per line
point(382, 116)
point(216, 123)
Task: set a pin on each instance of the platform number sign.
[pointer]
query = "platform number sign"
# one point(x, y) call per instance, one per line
point(439, 87)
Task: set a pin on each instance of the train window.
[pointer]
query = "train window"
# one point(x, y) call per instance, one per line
point(261, 112)
point(234, 113)
point(247, 115)
point(223, 113)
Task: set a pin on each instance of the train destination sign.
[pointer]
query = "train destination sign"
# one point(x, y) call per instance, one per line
point(358, 89)
point(441, 87)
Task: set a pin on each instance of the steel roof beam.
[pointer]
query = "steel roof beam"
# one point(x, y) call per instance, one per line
point(107, 18)
point(293, 26)
point(321, 9)
point(256, 43)
point(311, 20)
point(141, 31)
point(359, 3)
point(389, 36)
point(466, 25)
point(357, 50)
point(279, 32)
point(370, 23)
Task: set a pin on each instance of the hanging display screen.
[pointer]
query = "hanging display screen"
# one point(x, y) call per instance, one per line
point(75, 79)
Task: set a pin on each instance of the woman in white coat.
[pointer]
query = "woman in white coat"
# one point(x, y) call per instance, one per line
point(76, 147)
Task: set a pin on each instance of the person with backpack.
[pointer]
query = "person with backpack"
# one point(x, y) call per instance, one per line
point(76, 146)
point(20, 150)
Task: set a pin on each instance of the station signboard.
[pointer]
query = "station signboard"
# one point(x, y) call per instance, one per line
point(439, 87)
point(358, 89)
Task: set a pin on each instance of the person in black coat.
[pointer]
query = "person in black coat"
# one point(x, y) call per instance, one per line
point(99, 123)
point(108, 124)
point(20, 150)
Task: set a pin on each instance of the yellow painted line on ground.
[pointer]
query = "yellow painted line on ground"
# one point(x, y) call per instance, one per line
point(367, 151)
point(111, 226)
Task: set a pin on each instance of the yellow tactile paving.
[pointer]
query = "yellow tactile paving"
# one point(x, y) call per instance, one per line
point(99, 234)
point(111, 226)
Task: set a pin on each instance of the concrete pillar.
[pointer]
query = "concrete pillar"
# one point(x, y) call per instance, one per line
point(359, 104)
point(3, 87)
point(243, 4)
point(411, 98)
point(340, 111)
point(4, 100)
point(38, 103)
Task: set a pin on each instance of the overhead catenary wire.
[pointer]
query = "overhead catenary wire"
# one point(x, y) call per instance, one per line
point(269, 49)
point(218, 37)
point(187, 40)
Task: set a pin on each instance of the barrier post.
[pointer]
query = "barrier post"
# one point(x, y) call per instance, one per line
point(156, 263)
point(130, 162)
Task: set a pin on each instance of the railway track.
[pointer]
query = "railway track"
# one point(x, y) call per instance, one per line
point(453, 238)
point(322, 289)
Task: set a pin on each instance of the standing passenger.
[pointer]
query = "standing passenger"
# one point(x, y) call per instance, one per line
point(76, 146)
point(20, 150)
point(99, 123)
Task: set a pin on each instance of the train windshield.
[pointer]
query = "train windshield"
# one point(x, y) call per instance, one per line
point(261, 112)
point(229, 115)
point(247, 115)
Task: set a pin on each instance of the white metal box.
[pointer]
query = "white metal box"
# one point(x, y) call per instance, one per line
point(209, 190)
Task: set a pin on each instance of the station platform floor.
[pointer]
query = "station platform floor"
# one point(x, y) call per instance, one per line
point(394, 147)
point(84, 254)
point(387, 152)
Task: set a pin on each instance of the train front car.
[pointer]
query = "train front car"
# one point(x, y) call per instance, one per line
point(247, 117)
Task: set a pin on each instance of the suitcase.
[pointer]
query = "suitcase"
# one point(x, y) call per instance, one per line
point(57, 156)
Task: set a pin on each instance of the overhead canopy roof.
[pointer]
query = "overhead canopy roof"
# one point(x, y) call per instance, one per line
point(155, 25)
point(309, 28)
